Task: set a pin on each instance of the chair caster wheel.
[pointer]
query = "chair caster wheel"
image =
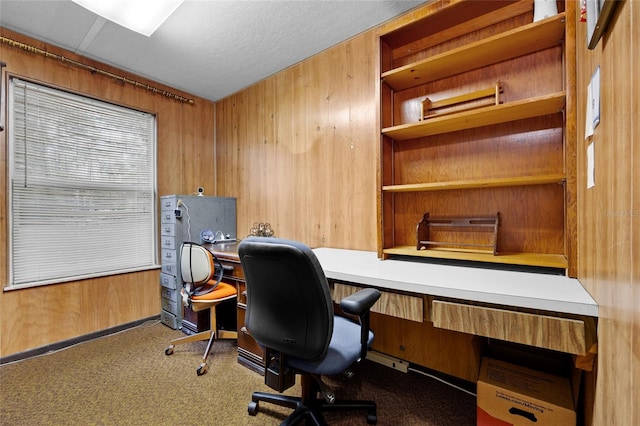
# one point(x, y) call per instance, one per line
point(372, 419)
point(253, 408)
point(202, 369)
point(169, 350)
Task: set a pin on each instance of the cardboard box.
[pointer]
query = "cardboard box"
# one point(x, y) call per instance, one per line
point(509, 394)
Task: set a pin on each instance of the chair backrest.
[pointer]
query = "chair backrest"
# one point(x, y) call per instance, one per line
point(196, 263)
point(289, 305)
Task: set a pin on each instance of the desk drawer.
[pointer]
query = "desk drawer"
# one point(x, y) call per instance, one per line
point(560, 334)
point(169, 256)
point(392, 304)
point(168, 281)
point(172, 295)
point(167, 217)
point(168, 229)
point(167, 242)
point(170, 269)
point(169, 319)
point(170, 305)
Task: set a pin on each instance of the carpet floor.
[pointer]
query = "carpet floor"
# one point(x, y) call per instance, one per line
point(126, 379)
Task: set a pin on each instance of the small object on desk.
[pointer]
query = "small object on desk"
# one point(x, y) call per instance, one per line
point(261, 230)
point(221, 237)
point(207, 236)
point(224, 241)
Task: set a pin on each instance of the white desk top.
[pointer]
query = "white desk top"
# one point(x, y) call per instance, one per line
point(517, 289)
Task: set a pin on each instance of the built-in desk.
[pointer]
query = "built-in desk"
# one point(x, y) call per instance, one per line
point(542, 310)
point(418, 299)
point(552, 293)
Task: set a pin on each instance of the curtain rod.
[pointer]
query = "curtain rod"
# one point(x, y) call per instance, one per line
point(94, 70)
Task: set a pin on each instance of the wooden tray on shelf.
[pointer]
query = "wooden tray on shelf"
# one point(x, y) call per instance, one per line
point(478, 99)
point(469, 234)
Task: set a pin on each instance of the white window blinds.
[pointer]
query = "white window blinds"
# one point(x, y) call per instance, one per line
point(82, 186)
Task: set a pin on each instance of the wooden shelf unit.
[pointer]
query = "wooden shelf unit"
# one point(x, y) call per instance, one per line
point(524, 259)
point(476, 183)
point(514, 157)
point(507, 45)
point(497, 114)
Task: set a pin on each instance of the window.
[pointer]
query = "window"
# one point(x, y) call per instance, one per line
point(82, 187)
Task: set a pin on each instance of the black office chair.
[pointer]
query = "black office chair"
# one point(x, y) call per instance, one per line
point(290, 313)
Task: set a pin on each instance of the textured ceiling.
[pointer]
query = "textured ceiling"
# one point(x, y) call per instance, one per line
point(209, 49)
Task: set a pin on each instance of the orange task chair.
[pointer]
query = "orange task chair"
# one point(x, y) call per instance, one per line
point(203, 290)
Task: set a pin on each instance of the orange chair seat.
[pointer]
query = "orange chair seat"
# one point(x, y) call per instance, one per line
point(223, 291)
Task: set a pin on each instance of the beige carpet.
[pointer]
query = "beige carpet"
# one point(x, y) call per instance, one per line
point(126, 379)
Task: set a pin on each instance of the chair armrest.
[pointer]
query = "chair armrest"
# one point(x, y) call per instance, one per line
point(360, 302)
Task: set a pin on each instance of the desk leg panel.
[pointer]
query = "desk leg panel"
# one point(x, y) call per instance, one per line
point(450, 352)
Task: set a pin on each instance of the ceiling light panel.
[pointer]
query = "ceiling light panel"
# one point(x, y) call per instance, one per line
point(141, 16)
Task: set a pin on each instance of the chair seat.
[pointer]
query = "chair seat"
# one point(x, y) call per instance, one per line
point(342, 353)
point(221, 293)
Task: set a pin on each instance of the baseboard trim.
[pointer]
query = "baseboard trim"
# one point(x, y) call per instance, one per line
point(74, 341)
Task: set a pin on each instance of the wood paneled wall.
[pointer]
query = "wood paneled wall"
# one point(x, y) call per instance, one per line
point(36, 317)
point(299, 149)
point(283, 151)
point(609, 214)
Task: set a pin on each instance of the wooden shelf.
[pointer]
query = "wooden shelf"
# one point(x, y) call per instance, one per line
point(519, 159)
point(508, 45)
point(524, 259)
point(476, 183)
point(511, 111)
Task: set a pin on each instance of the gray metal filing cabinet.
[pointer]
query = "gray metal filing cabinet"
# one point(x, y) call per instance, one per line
point(183, 218)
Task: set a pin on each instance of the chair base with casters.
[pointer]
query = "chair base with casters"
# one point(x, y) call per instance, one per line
point(316, 397)
point(309, 406)
point(222, 293)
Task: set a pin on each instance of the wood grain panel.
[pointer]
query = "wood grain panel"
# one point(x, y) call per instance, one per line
point(537, 74)
point(450, 33)
point(36, 317)
point(501, 47)
point(302, 155)
point(391, 304)
point(482, 153)
point(39, 316)
point(634, 13)
point(609, 215)
point(570, 156)
point(450, 352)
point(560, 334)
point(531, 217)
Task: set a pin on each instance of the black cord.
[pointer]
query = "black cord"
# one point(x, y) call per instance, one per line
point(217, 271)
